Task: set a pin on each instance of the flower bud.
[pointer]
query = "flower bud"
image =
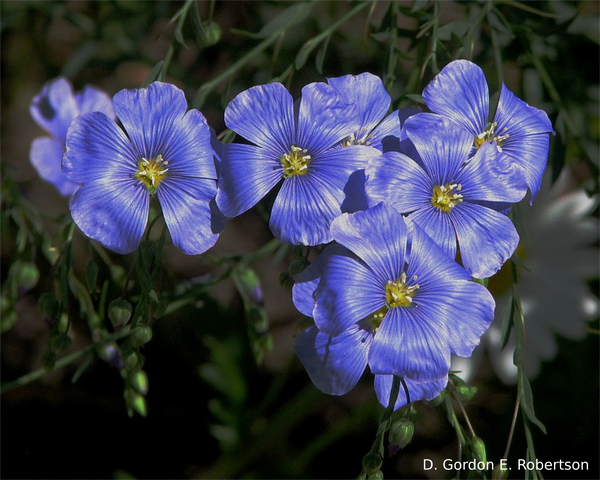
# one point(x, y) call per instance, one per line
point(437, 401)
point(401, 433)
point(479, 449)
point(139, 381)
point(7, 320)
point(118, 275)
point(499, 473)
point(372, 463)
point(59, 342)
point(27, 275)
point(298, 266)
point(141, 335)
point(378, 475)
point(135, 402)
point(111, 354)
point(212, 33)
point(119, 313)
point(63, 323)
point(465, 393)
point(131, 361)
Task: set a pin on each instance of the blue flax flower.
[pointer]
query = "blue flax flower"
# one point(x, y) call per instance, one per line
point(444, 189)
point(161, 150)
point(298, 149)
point(388, 297)
point(372, 102)
point(519, 131)
point(53, 109)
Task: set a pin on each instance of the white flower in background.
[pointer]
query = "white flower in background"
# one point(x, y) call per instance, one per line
point(560, 249)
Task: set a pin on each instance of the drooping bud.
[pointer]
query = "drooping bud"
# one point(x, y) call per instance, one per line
point(401, 433)
point(465, 393)
point(212, 33)
point(372, 463)
point(135, 403)
point(378, 475)
point(60, 342)
point(26, 275)
point(141, 335)
point(119, 313)
point(500, 471)
point(479, 449)
point(437, 401)
point(139, 381)
point(111, 354)
point(131, 361)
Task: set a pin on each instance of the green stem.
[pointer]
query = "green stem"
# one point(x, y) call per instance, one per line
point(527, 8)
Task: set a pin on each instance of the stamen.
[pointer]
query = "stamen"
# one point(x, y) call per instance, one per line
point(151, 172)
point(445, 198)
point(488, 136)
point(295, 162)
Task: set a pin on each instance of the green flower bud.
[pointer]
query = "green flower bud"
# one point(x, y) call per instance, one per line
point(59, 342)
point(465, 393)
point(372, 463)
point(131, 361)
point(141, 335)
point(499, 473)
point(26, 275)
point(401, 433)
point(118, 275)
point(298, 266)
point(378, 475)
point(285, 280)
point(119, 313)
point(7, 320)
point(139, 381)
point(479, 449)
point(135, 402)
point(437, 401)
point(212, 33)
point(5, 304)
point(63, 323)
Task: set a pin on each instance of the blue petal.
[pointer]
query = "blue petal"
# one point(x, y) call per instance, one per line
point(306, 282)
point(378, 236)
point(93, 100)
point(438, 225)
point(185, 204)
point(97, 149)
point(367, 93)
point(334, 364)
point(416, 390)
point(247, 174)
point(386, 136)
point(488, 176)
point(148, 116)
point(307, 204)
point(54, 108)
point(528, 141)
point(324, 119)
point(347, 293)
point(187, 147)
point(411, 345)
point(399, 181)
point(356, 198)
point(264, 115)
point(486, 238)
point(460, 93)
point(442, 145)
point(46, 156)
point(113, 212)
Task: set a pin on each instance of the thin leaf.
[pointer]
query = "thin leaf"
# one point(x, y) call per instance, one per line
point(81, 369)
point(153, 75)
point(295, 13)
point(507, 322)
point(527, 404)
point(321, 54)
point(415, 97)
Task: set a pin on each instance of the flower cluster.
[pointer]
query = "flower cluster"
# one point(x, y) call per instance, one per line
point(399, 197)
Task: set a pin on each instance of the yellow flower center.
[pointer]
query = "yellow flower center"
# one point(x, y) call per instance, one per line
point(488, 135)
point(151, 172)
point(399, 293)
point(295, 162)
point(445, 197)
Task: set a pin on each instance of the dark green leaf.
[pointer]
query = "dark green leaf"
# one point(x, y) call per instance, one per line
point(415, 97)
point(153, 75)
point(321, 54)
point(295, 13)
point(527, 404)
point(419, 5)
point(507, 322)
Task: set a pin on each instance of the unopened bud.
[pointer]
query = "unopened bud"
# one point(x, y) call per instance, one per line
point(500, 473)
point(212, 33)
point(465, 393)
point(111, 354)
point(27, 275)
point(135, 402)
point(131, 361)
point(437, 401)
point(119, 313)
point(378, 475)
point(298, 266)
point(401, 432)
point(141, 335)
point(139, 381)
point(479, 449)
point(7, 320)
point(372, 463)
point(118, 275)
point(60, 342)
